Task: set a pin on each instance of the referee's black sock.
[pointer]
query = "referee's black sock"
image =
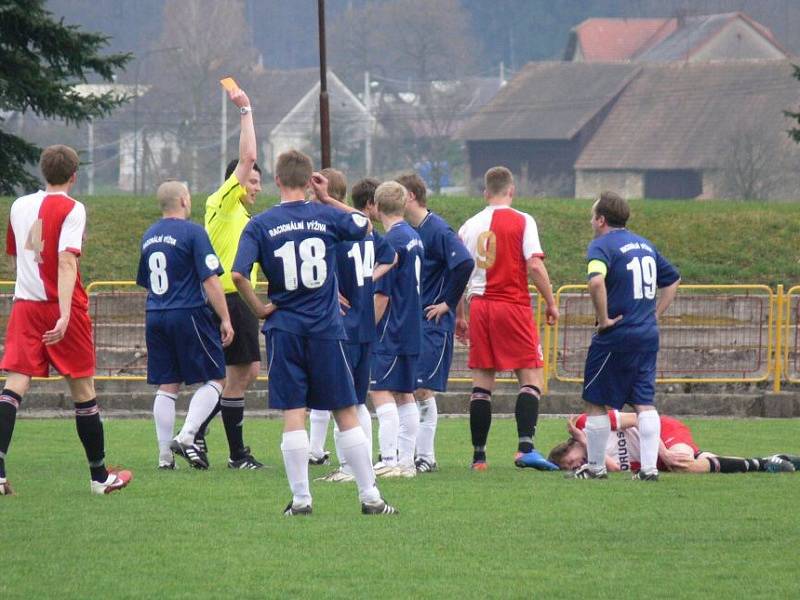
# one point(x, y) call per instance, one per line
point(201, 433)
point(90, 431)
point(233, 419)
point(9, 403)
point(526, 412)
point(480, 420)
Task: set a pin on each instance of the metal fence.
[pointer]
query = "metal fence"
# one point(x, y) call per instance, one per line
point(710, 334)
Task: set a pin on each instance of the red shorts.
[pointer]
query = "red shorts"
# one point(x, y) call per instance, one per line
point(27, 354)
point(502, 336)
point(675, 432)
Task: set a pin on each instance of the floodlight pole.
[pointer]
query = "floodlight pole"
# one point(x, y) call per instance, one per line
point(324, 110)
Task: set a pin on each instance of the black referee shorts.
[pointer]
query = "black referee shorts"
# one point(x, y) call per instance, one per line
point(244, 349)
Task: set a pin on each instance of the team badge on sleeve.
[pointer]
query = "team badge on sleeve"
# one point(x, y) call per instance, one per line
point(212, 262)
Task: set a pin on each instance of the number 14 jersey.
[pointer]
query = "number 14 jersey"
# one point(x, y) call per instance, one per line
point(500, 240)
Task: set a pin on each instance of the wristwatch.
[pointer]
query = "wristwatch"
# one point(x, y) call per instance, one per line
point(245, 109)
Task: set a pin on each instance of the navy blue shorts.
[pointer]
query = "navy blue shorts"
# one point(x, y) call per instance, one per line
point(618, 378)
point(359, 357)
point(394, 372)
point(183, 346)
point(305, 372)
point(433, 365)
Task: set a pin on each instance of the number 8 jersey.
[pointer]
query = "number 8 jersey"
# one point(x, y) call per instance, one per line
point(176, 258)
point(633, 270)
point(295, 244)
point(500, 240)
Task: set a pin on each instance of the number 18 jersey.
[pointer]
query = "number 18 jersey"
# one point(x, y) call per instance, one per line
point(635, 270)
point(176, 258)
point(295, 244)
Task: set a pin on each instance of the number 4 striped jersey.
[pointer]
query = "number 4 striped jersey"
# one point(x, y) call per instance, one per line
point(176, 258)
point(633, 270)
point(40, 226)
point(500, 240)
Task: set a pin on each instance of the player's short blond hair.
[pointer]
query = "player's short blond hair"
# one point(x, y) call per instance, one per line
point(169, 194)
point(337, 183)
point(390, 198)
point(497, 181)
point(58, 163)
point(293, 169)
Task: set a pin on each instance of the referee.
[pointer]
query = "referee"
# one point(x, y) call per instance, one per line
point(227, 213)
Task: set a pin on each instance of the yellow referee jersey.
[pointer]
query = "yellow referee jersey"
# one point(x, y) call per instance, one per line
point(226, 218)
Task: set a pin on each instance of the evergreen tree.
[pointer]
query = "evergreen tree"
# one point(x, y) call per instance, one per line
point(794, 132)
point(41, 59)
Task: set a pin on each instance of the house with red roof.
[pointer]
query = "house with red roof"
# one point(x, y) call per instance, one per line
point(724, 36)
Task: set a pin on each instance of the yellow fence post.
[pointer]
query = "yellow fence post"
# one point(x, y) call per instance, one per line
point(778, 366)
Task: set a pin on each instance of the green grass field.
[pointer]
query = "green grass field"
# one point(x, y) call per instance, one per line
point(711, 242)
point(503, 533)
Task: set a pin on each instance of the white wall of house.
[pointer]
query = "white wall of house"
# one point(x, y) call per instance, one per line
point(628, 184)
point(738, 40)
point(161, 153)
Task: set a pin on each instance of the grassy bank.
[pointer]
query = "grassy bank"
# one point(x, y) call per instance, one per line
point(711, 241)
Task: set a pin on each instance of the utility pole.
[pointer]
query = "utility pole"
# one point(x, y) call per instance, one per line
point(324, 110)
point(90, 156)
point(368, 138)
point(223, 136)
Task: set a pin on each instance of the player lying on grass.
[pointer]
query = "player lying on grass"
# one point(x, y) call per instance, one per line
point(677, 451)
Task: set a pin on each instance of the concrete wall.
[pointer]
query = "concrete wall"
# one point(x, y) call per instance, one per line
point(629, 184)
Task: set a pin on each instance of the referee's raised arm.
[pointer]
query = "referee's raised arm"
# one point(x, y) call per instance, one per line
point(247, 136)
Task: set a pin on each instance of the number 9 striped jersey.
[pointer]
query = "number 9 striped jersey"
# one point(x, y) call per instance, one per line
point(500, 240)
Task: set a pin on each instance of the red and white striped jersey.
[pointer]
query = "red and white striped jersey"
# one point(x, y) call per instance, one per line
point(40, 226)
point(501, 240)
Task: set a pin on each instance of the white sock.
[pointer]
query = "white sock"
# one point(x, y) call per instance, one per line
point(201, 405)
point(366, 424)
point(353, 444)
point(388, 428)
point(598, 428)
point(428, 418)
point(343, 466)
point(295, 458)
point(407, 435)
point(164, 417)
point(318, 431)
point(649, 424)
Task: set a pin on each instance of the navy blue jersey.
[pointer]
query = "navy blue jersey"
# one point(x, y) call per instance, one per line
point(176, 258)
point(355, 262)
point(400, 328)
point(635, 271)
point(444, 251)
point(295, 244)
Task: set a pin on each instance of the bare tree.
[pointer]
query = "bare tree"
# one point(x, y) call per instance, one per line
point(756, 165)
point(211, 40)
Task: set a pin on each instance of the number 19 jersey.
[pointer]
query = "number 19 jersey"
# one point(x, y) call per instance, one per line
point(295, 244)
point(176, 258)
point(635, 270)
